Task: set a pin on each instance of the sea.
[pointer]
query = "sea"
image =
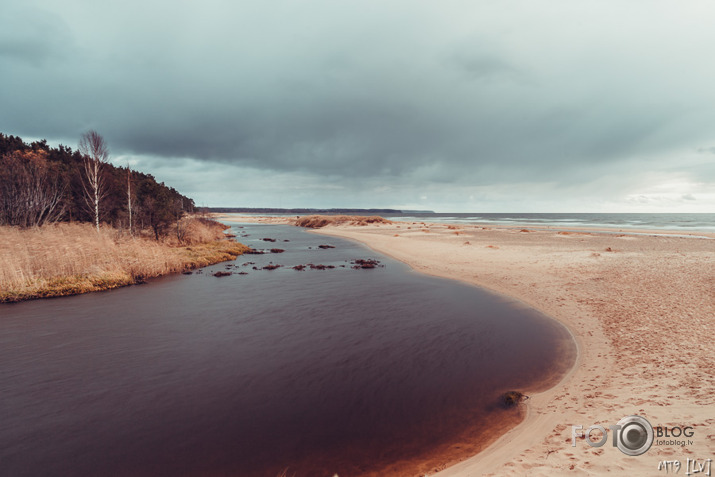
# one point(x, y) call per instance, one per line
point(693, 222)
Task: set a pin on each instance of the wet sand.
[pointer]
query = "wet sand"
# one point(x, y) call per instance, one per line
point(642, 310)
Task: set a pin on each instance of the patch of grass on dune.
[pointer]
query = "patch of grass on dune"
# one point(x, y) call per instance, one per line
point(318, 221)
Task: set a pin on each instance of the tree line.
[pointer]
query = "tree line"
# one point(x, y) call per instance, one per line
point(40, 184)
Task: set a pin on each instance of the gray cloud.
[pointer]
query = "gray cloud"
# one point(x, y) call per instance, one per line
point(427, 94)
point(34, 37)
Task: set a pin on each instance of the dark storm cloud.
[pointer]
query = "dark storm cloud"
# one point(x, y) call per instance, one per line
point(427, 92)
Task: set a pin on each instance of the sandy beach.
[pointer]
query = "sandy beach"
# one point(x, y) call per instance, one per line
point(641, 309)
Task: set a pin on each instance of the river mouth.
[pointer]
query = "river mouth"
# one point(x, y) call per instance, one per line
point(378, 371)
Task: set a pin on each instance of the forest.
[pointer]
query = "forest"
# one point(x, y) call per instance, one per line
point(40, 184)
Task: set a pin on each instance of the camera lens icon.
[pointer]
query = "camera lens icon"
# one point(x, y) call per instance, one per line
point(635, 435)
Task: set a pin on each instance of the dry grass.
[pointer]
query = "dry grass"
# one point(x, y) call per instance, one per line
point(318, 221)
point(67, 259)
point(197, 230)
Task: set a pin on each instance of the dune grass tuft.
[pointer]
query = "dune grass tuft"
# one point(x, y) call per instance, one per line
point(318, 221)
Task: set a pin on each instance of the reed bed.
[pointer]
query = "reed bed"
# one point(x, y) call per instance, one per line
point(67, 259)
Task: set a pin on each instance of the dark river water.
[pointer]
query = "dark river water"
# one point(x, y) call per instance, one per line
point(346, 371)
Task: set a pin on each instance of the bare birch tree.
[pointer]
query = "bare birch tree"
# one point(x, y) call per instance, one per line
point(95, 155)
point(129, 197)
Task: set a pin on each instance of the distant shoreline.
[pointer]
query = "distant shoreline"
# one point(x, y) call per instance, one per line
point(309, 211)
point(685, 223)
point(613, 230)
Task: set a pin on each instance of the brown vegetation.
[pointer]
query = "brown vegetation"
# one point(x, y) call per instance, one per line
point(30, 190)
point(318, 221)
point(67, 259)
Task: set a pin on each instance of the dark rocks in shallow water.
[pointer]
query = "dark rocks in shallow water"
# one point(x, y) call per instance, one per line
point(249, 263)
point(221, 274)
point(365, 263)
point(277, 250)
point(271, 267)
point(357, 265)
point(266, 239)
point(243, 273)
point(286, 240)
point(187, 272)
point(313, 266)
point(325, 246)
point(253, 251)
point(512, 398)
point(320, 266)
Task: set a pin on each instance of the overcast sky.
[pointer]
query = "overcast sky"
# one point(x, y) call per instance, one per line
point(475, 106)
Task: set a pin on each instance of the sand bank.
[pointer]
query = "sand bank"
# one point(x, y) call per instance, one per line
point(641, 308)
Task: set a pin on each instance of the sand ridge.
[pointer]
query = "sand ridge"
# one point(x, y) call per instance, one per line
point(642, 311)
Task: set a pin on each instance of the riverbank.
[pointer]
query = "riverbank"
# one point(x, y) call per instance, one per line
point(68, 259)
point(640, 307)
